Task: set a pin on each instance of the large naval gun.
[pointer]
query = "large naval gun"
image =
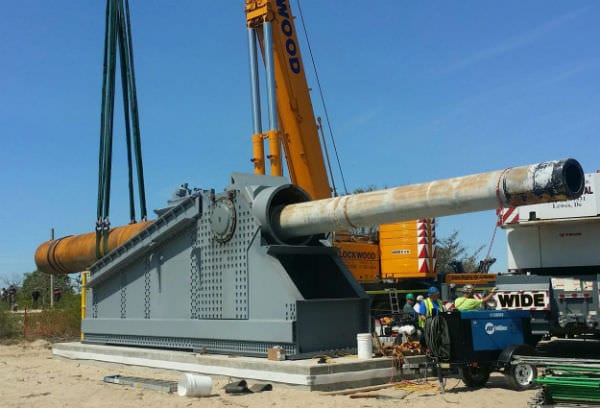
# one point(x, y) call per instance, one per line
point(249, 268)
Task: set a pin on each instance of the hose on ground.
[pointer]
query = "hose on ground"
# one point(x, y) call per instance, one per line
point(437, 337)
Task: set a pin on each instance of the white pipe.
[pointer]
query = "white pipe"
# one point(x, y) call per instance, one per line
point(538, 183)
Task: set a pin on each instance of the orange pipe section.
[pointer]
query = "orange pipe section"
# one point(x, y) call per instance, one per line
point(76, 253)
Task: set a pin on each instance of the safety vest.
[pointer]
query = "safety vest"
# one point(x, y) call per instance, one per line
point(463, 303)
point(429, 309)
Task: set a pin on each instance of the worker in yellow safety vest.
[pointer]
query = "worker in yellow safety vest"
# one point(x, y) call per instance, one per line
point(430, 306)
point(468, 302)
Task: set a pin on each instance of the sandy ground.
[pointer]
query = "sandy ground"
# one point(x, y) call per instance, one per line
point(31, 377)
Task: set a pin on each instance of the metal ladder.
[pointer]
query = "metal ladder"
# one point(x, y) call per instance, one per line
point(394, 302)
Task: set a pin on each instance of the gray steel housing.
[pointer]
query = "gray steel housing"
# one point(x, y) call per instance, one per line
point(210, 275)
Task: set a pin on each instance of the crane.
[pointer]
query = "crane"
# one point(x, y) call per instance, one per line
point(292, 123)
point(408, 247)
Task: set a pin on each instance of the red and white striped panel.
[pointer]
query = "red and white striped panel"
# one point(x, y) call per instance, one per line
point(426, 251)
point(507, 215)
point(426, 241)
point(427, 265)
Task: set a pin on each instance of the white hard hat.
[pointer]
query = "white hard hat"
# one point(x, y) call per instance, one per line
point(419, 298)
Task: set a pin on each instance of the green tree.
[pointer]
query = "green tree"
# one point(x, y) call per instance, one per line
point(451, 249)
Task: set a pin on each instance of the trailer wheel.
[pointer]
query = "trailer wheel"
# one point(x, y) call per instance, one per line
point(520, 376)
point(474, 377)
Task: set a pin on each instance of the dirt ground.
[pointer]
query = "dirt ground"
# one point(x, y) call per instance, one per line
point(31, 377)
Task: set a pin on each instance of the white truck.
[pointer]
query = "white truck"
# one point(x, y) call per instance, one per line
point(554, 263)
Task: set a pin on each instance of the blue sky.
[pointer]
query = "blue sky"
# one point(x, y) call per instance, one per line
point(416, 91)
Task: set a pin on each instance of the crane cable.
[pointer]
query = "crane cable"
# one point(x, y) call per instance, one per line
point(118, 31)
point(322, 102)
point(499, 220)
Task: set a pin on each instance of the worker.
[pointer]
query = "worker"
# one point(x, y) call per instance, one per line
point(431, 306)
point(410, 302)
point(408, 309)
point(12, 295)
point(451, 292)
point(57, 293)
point(417, 305)
point(468, 302)
point(35, 296)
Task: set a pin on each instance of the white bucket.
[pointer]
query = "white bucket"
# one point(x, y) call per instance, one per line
point(364, 343)
point(194, 385)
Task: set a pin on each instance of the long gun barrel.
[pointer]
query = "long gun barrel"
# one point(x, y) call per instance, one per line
point(537, 183)
point(285, 214)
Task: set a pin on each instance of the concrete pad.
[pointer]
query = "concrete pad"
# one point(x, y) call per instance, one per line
point(337, 373)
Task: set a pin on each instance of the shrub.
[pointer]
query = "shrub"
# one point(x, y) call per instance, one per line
point(9, 324)
point(63, 321)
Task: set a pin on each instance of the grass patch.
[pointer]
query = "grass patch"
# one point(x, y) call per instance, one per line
point(62, 321)
point(10, 324)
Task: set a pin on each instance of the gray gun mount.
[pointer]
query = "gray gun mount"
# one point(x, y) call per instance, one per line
point(247, 269)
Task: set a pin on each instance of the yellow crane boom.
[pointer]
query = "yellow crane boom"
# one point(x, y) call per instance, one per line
point(292, 121)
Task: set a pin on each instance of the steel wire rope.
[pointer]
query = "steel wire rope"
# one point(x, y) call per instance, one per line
point(109, 130)
point(125, 85)
point(322, 133)
point(103, 124)
point(137, 142)
point(103, 116)
point(499, 211)
point(107, 121)
point(130, 109)
point(322, 100)
point(118, 34)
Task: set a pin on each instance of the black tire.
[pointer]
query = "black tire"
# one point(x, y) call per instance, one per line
point(474, 377)
point(520, 376)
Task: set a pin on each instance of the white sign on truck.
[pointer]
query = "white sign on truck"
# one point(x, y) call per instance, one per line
point(522, 300)
point(588, 205)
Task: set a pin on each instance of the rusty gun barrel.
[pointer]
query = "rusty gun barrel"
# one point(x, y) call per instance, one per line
point(76, 253)
point(537, 183)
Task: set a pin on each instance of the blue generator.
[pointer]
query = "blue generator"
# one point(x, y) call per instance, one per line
point(495, 330)
point(481, 335)
point(481, 341)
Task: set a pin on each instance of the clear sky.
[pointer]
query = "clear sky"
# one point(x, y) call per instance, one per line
point(416, 91)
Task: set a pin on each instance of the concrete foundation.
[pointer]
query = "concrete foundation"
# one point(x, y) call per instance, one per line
point(335, 374)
